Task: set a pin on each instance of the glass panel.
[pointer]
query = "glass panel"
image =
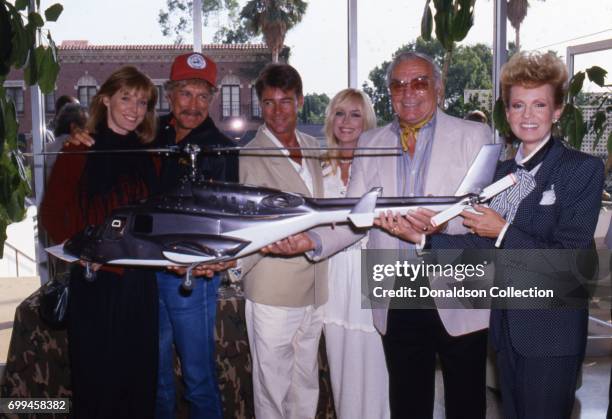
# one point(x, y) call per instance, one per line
point(82, 93)
point(162, 101)
point(591, 98)
point(86, 93)
point(91, 92)
point(50, 103)
point(235, 100)
point(385, 28)
point(577, 25)
point(16, 95)
point(226, 101)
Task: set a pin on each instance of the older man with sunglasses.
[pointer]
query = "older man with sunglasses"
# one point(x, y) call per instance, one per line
point(437, 151)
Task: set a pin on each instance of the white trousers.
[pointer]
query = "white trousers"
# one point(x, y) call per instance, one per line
point(358, 371)
point(284, 347)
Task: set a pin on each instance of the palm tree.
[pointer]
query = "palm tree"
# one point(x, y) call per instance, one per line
point(273, 18)
point(517, 10)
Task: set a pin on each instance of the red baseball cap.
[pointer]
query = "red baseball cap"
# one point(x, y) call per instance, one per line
point(194, 66)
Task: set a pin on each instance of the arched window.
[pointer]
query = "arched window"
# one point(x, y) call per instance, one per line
point(230, 96)
point(86, 88)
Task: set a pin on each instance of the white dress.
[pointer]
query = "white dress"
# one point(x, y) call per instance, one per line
point(359, 379)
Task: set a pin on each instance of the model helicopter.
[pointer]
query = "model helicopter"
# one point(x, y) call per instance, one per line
point(204, 222)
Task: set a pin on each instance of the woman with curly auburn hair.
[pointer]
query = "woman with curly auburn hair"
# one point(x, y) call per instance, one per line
point(553, 208)
point(112, 324)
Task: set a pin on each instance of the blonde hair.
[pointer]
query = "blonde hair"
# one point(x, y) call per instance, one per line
point(367, 111)
point(128, 78)
point(534, 69)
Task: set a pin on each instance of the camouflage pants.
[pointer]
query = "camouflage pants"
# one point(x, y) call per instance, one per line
point(38, 364)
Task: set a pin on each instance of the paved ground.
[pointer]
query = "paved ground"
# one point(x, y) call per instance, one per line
point(592, 397)
point(12, 292)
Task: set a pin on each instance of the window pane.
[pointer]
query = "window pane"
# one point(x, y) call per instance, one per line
point(235, 100)
point(50, 103)
point(226, 101)
point(255, 110)
point(82, 93)
point(86, 93)
point(16, 95)
point(162, 101)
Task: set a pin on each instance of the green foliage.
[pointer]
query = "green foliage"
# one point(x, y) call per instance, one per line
point(48, 67)
point(575, 85)
point(19, 50)
point(6, 46)
point(463, 20)
point(21, 4)
point(377, 90)
point(35, 20)
point(176, 20)
point(499, 119)
point(572, 125)
point(453, 20)
point(239, 35)
point(597, 75)
point(313, 111)
point(426, 23)
point(470, 69)
point(599, 126)
point(53, 12)
point(272, 19)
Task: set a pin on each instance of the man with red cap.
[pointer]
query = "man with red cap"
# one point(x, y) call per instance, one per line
point(190, 91)
point(188, 319)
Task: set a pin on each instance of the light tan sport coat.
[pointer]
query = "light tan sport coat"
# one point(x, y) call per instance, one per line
point(455, 145)
point(281, 281)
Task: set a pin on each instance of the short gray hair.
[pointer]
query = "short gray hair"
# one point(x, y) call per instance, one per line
point(413, 55)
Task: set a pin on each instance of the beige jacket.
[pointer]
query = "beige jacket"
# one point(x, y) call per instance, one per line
point(281, 281)
point(455, 145)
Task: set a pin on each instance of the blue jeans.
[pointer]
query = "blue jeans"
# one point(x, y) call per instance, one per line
point(188, 320)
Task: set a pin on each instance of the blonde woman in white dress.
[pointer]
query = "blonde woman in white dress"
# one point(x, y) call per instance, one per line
point(354, 349)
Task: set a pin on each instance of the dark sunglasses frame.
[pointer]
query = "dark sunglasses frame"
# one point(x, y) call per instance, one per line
point(419, 84)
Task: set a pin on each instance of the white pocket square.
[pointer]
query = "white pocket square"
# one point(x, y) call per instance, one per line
point(549, 197)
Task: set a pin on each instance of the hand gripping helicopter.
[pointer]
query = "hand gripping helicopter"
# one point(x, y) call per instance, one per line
point(205, 222)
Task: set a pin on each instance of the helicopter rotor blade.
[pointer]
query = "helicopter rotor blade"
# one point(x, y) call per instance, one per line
point(177, 149)
point(162, 150)
point(298, 148)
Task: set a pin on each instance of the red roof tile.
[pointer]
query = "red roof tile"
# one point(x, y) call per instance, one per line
point(84, 45)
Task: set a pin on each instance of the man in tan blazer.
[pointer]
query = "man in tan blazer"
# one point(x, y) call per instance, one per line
point(283, 294)
point(437, 151)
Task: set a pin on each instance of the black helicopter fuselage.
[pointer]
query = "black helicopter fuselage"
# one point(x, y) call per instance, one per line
point(203, 221)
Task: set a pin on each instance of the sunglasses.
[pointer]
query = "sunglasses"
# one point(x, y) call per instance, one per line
point(418, 84)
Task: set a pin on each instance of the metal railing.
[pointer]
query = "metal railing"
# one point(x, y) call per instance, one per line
point(18, 253)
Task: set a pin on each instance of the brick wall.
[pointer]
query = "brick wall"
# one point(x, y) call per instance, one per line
point(78, 59)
